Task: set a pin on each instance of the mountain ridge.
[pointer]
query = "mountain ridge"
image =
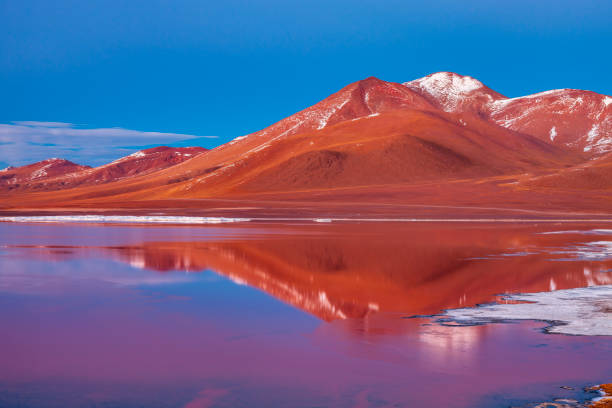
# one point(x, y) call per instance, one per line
point(443, 127)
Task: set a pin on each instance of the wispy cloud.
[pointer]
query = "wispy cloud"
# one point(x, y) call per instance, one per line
point(43, 124)
point(25, 142)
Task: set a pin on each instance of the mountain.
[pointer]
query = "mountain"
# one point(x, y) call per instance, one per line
point(16, 177)
point(445, 138)
point(136, 164)
point(455, 93)
point(370, 132)
point(570, 118)
point(400, 146)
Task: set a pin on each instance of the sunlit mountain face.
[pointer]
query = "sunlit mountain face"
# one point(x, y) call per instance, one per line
point(441, 140)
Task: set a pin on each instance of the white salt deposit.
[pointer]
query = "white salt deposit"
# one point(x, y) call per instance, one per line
point(156, 219)
point(581, 311)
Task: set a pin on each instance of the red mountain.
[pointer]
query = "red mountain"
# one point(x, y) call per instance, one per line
point(400, 146)
point(367, 140)
point(136, 164)
point(569, 118)
point(16, 177)
point(574, 119)
point(366, 98)
point(455, 93)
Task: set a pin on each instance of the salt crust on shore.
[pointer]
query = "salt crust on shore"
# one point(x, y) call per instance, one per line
point(158, 219)
point(581, 311)
point(181, 219)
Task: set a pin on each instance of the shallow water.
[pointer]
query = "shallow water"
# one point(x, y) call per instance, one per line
point(289, 315)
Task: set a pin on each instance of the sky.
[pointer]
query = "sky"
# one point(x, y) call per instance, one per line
point(93, 80)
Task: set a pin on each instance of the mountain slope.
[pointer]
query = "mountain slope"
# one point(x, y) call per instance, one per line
point(593, 175)
point(402, 146)
point(137, 164)
point(395, 147)
point(573, 119)
point(370, 96)
point(16, 177)
point(372, 136)
point(455, 93)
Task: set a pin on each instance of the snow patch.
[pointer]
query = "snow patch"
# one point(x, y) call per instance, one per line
point(581, 311)
point(545, 93)
point(365, 117)
point(553, 133)
point(328, 114)
point(447, 87)
point(237, 139)
point(137, 154)
point(42, 172)
point(607, 101)
point(595, 142)
point(567, 101)
point(508, 122)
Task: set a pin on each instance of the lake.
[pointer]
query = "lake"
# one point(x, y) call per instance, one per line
point(299, 314)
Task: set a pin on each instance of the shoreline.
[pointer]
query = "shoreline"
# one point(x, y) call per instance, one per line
point(221, 219)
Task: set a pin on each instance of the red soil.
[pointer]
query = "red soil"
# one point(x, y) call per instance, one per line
point(594, 175)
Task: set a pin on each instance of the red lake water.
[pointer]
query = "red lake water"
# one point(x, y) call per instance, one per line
point(300, 315)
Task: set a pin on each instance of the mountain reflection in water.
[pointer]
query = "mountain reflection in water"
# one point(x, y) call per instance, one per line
point(350, 273)
point(134, 316)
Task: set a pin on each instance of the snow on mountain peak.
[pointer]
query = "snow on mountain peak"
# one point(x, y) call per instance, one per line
point(447, 87)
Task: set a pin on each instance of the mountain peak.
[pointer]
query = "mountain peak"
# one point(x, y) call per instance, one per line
point(453, 92)
point(371, 80)
point(449, 81)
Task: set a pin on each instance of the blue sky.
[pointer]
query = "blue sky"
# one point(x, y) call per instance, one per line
point(224, 69)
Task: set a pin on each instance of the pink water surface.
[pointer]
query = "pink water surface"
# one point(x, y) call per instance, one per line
point(283, 316)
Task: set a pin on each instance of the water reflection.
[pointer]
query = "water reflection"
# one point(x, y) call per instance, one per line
point(106, 309)
point(350, 273)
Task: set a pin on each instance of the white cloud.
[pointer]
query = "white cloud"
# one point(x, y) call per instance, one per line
point(26, 142)
point(43, 124)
